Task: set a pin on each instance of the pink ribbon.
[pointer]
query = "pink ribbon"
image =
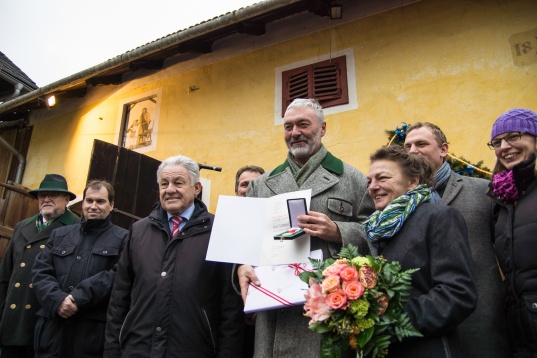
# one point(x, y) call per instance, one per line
point(272, 295)
point(297, 268)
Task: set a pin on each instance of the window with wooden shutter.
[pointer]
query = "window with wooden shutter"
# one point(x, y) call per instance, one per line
point(325, 81)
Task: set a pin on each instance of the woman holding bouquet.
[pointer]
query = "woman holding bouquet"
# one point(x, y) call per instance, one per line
point(515, 232)
point(408, 228)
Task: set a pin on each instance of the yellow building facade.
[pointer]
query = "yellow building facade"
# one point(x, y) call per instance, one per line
point(458, 64)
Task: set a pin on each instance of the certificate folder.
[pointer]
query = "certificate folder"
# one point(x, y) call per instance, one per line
point(244, 229)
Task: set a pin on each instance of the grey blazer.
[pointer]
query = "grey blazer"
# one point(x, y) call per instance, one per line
point(482, 334)
point(340, 192)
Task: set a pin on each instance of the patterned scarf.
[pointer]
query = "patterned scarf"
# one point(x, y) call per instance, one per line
point(302, 173)
point(441, 177)
point(40, 225)
point(382, 225)
point(504, 186)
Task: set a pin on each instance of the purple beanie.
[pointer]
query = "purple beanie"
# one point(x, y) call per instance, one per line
point(515, 120)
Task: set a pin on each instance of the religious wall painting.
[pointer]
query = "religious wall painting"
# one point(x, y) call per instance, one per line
point(139, 122)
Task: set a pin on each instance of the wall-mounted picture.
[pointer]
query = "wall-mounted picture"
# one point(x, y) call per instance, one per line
point(139, 123)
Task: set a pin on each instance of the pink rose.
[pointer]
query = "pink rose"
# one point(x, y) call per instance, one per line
point(333, 269)
point(349, 273)
point(331, 283)
point(354, 289)
point(337, 300)
point(315, 306)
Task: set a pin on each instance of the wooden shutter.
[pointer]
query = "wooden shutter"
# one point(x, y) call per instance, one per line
point(325, 81)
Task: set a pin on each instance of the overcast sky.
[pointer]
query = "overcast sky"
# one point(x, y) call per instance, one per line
point(52, 39)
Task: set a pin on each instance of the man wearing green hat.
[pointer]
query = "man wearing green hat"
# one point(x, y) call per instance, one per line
point(18, 317)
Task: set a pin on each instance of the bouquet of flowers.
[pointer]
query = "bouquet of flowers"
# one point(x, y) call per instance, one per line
point(358, 302)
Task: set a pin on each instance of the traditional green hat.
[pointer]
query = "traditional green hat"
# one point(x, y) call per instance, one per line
point(55, 183)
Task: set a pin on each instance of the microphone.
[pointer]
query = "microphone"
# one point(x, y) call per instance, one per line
point(203, 166)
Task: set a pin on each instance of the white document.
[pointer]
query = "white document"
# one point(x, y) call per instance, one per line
point(280, 286)
point(244, 229)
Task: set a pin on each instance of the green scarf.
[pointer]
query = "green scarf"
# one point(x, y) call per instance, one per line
point(302, 172)
point(382, 225)
point(40, 225)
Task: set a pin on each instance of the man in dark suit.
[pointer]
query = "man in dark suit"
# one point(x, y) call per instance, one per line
point(482, 333)
point(29, 238)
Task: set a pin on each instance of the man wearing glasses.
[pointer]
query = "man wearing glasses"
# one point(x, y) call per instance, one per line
point(29, 238)
point(482, 333)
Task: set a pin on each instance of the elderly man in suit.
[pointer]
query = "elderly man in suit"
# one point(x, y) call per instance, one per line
point(339, 203)
point(482, 334)
point(29, 239)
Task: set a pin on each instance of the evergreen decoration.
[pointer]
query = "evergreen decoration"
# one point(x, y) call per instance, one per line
point(459, 165)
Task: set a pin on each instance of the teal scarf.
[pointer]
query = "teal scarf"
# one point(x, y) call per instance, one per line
point(382, 225)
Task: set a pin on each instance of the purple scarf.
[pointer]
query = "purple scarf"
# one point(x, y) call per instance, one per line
point(504, 186)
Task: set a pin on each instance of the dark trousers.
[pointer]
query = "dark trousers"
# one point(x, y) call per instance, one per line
point(17, 352)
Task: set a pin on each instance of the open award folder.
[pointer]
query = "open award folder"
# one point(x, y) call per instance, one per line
point(245, 231)
point(280, 286)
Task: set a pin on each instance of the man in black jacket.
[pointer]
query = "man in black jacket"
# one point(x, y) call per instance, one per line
point(29, 238)
point(167, 301)
point(73, 278)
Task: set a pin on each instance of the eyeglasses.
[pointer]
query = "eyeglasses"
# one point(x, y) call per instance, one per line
point(51, 195)
point(509, 138)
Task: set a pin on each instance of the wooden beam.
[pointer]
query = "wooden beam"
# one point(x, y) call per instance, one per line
point(6, 231)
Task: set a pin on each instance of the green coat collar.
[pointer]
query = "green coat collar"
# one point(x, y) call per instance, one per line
point(330, 163)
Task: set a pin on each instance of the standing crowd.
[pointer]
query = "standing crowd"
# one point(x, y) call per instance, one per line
point(88, 288)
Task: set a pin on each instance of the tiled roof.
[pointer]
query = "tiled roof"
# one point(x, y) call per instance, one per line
point(10, 70)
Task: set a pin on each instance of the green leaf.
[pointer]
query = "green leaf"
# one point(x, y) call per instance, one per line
point(365, 336)
point(349, 252)
point(319, 327)
point(305, 276)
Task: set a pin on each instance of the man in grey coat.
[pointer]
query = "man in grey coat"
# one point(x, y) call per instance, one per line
point(339, 203)
point(482, 334)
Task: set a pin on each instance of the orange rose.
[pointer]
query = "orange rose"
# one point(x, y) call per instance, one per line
point(349, 273)
point(354, 289)
point(331, 283)
point(337, 300)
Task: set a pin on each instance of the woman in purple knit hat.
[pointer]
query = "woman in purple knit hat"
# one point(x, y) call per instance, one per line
point(514, 188)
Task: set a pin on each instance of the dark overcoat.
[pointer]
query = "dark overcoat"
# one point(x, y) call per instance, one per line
point(434, 239)
point(16, 291)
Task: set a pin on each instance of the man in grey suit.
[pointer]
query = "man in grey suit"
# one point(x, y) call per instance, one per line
point(482, 333)
point(339, 203)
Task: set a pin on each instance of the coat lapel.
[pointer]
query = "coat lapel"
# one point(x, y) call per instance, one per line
point(453, 187)
point(319, 181)
point(282, 182)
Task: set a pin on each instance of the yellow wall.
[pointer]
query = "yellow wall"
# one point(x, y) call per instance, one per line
point(445, 62)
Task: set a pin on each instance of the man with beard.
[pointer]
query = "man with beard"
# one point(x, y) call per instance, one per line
point(29, 238)
point(73, 278)
point(339, 203)
point(482, 333)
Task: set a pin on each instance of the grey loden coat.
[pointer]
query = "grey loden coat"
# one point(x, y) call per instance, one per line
point(16, 291)
point(482, 334)
point(340, 192)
